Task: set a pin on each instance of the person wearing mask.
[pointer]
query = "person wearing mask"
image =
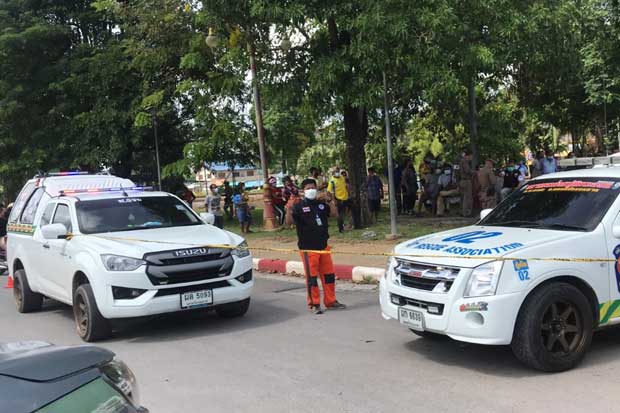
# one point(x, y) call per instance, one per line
point(374, 189)
point(337, 187)
point(277, 200)
point(241, 199)
point(311, 217)
point(409, 184)
point(466, 175)
point(431, 191)
point(511, 180)
point(213, 202)
point(291, 197)
point(228, 200)
point(486, 182)
point(447, 188)
point(523, 171)
point(549, 164)
point(536, 167)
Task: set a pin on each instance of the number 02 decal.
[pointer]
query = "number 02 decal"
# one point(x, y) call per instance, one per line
point(471, 237)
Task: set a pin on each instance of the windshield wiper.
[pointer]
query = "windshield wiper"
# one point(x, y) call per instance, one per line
point(516, 223)
point(564, 227)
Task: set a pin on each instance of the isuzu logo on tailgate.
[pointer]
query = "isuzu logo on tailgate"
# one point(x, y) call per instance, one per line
point(191, 252)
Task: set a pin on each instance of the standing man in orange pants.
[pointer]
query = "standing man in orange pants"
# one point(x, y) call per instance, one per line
point(311, 219)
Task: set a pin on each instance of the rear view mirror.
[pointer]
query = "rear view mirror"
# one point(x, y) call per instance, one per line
point(54, 231)
point(207, 218)
point(485, 212)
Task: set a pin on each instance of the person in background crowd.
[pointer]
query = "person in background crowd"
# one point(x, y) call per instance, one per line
point(4, 221)
point(466, 175)
point(374, 189)
point(241, 200)
point(523, 172)
point(311, 217)
point(291, 197)
point(213, 201)
point(536, 167)
point(409, 184)
point(228, 200)
point(549, 164)
point(431, 190)
point(338, 188)
point(315, 173)
point(511, 180)
point(425, 170)
point(486, 181)
point(187, 195)
point(447, 188)
point(277, 200)
point(398, 191)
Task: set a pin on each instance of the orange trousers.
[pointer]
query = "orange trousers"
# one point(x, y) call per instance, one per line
point(319, 265)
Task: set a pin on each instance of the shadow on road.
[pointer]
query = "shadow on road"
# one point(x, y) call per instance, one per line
point(188, 324)
point(499, 360)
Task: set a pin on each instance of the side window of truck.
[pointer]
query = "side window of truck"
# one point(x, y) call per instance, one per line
point(20, 202)
point(62, 216)
point(47, 215)
point(31, 207)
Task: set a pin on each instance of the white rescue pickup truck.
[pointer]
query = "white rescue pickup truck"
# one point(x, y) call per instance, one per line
point(540, 272)
point(112, 250)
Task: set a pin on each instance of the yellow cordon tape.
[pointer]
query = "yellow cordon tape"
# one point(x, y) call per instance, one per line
point(376, 254)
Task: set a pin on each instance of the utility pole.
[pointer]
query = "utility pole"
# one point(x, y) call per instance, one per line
point(391, 184)
point(154, 119)
point(269, 218)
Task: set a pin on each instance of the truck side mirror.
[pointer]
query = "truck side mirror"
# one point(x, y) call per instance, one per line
point(485, 212)
point(54, 231)
point(207, 218)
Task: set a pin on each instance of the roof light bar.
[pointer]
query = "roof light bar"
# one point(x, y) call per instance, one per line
point(68, 173)
point(98, 190)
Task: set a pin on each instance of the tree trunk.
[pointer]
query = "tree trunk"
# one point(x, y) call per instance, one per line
point(473, 121)
point(356, 135)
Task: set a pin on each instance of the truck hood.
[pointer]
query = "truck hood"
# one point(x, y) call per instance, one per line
point(469, 247)
point(137, 243)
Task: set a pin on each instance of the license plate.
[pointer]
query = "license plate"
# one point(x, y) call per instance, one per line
point(196, 298)
point(412, 319)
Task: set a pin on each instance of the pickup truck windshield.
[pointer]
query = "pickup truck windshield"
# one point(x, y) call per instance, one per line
point(573, 204)
point(127, 214)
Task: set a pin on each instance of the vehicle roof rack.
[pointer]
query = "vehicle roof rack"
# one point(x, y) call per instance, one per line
point(64, 192)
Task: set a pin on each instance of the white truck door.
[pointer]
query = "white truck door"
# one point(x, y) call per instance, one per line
point(58, 270)
point(39, 265)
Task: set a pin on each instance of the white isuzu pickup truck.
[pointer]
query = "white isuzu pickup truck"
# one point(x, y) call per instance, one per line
point(540, 272)
point(112, 250)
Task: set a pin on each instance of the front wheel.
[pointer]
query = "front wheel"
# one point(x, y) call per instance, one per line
point(554, 328)
point(232, 310)
point(91, 325)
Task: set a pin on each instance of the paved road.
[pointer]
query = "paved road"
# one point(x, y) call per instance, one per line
point(279, 358)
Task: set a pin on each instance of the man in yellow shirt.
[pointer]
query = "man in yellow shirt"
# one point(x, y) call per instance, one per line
point(338, 188)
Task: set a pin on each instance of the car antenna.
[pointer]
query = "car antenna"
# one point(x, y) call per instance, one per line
point(124, 192)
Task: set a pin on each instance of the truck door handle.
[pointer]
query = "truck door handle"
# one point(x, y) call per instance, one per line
point(46, 246)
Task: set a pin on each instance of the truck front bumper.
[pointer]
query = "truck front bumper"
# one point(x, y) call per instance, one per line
point(480, 320)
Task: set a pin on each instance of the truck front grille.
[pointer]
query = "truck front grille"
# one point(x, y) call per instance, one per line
point(164, 268)
point(426, 277)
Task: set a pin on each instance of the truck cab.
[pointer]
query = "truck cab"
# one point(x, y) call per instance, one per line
point(539, 272)
point(113, 250)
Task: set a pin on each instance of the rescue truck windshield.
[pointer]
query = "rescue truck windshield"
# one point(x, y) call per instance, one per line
point(129, 213)
point(569, 204)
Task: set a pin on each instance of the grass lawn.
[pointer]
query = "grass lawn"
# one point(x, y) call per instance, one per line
point(408, 227)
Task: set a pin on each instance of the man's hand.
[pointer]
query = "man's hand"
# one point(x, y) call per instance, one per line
point(324, 197)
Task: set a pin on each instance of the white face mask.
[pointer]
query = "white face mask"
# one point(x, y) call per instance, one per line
point(336, 174)
point(310, 193)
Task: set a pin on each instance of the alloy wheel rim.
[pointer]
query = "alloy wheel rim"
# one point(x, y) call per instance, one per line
point(561, 328)
point(81, 316)
point(17, 292)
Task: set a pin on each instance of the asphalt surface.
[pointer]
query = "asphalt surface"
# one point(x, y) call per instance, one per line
point(280, 358)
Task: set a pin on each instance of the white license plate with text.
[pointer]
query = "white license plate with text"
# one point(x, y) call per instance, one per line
point(410, 318)
point(196, 298)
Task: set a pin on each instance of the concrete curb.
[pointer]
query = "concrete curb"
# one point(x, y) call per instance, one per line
point(343, 272)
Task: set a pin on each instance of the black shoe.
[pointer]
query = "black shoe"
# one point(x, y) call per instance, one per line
point(337, 306)
point(317, 310)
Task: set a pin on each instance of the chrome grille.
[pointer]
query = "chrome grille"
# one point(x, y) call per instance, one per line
point(426, 277)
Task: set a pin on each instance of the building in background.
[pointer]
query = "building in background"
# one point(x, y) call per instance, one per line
point(218, 173)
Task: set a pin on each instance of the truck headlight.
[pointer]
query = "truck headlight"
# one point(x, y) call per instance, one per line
point(241, 250)
point(484, 279)
point(119, 263)
point(123, 379)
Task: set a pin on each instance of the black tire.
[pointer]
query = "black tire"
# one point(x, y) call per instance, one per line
point(26, 300)
point(232, 310)
point(554, 328)
point(90, 324)
point(429, 335)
